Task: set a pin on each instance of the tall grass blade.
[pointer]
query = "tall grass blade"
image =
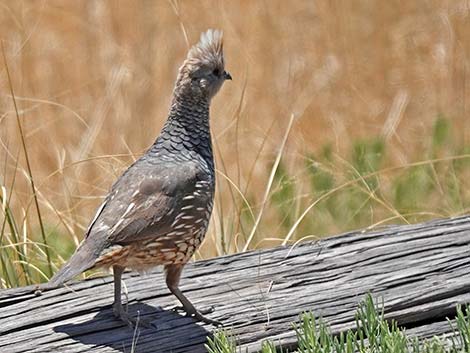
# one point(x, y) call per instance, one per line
point(28, 164)
point(269, 184)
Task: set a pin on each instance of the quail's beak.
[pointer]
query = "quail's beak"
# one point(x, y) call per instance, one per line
point(227, 76)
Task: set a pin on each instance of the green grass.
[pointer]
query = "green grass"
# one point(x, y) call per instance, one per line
point(365, 188)
point(371, 334)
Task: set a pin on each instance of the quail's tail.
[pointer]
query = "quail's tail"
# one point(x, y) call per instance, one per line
point(82, 260)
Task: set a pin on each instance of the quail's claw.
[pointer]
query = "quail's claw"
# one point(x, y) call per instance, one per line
point(198, 316)
point(177, 309)
point(204, 311)
point(137, 322)
point(207, 310)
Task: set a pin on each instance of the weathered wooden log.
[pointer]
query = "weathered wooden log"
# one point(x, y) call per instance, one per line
point(421, 271)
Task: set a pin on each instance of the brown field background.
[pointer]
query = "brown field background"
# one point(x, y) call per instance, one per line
point(93, 80)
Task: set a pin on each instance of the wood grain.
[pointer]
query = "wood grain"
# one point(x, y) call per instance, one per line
point(421, 271)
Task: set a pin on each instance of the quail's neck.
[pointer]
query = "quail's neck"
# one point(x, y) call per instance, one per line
point(186, 133)
point(190, 112)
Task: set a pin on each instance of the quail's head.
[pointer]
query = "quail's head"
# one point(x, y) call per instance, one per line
point(203, 72)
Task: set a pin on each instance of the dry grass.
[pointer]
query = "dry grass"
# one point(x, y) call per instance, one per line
point(93, 81)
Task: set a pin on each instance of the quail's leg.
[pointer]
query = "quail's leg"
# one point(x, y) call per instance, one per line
point(118, 309)
point(173, 274)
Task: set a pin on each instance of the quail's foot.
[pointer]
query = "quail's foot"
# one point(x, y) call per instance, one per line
point(130, 321)
point(203, 311)
point(199, 314)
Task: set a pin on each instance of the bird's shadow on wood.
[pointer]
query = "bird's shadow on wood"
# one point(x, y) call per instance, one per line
point(173, 332)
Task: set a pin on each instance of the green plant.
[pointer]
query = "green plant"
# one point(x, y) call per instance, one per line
point(221, 342)
point(372, 334)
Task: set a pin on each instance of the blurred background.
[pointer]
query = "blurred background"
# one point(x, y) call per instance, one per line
point(341, 115)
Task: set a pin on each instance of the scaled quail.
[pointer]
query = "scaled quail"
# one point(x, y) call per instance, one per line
point(158, 211)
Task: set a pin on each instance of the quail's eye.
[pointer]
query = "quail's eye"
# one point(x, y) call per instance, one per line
point(216, 72)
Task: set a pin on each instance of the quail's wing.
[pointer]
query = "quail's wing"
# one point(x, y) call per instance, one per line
point(144, 202)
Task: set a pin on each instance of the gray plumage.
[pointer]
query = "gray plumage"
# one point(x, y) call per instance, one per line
point(158, 211)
